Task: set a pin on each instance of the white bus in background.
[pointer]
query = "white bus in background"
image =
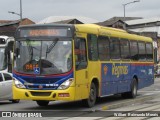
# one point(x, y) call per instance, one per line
point(6, 53)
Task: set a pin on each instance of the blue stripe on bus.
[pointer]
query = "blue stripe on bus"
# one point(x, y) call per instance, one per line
point(117, 77)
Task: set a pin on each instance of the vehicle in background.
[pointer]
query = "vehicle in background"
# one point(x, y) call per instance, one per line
point(6, 53)
point(157, 70)
point(6, 87)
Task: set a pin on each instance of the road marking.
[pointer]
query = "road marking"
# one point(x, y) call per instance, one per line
point(150, 91)
point(128, 102)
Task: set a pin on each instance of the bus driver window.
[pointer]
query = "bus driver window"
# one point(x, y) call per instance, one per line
point(80, 53)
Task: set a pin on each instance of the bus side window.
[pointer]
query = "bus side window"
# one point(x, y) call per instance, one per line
point(92, 47)
point(142, 51)
point(114, 48)
point(134, 50)
point(149, 51)
point(103, 48)
point(80, 53)
point(125, 52)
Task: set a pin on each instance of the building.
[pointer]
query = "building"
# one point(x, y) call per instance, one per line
point(117, 22)
point(149, 27)
point(67, 19)
point(144, 25)
point(8, 27)
point(70, 21)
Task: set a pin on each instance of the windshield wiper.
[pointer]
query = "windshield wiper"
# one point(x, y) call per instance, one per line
point(30, 48)
point(49, 49)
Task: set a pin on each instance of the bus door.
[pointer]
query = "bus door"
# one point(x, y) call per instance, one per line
point(81, 73)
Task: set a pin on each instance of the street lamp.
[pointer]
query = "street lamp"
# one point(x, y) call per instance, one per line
point(19, 14)
point(124, 6)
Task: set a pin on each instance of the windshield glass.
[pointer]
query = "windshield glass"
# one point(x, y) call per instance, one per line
point(3, 61)
point(48, 57)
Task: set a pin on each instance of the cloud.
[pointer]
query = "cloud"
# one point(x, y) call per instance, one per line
point(101, 10)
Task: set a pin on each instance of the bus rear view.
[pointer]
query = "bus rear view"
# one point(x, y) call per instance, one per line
point(43, 68)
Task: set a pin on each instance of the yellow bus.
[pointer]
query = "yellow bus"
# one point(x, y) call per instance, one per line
point(79, 62)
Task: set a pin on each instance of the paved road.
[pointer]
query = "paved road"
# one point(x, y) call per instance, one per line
point(112, 103)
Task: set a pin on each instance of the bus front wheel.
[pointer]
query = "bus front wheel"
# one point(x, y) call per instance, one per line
point(42, 102)
point(90, 102)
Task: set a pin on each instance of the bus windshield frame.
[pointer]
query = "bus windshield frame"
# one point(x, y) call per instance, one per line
point(50, 55)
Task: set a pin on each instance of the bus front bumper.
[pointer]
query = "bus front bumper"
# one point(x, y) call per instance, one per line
point(27, 94)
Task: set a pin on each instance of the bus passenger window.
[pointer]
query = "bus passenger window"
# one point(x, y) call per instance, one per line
point(134, 50)
point(115, 48)
point(125, 53)
point(80, 53)
point(103, 47)
point(142, 51)
point(149, 51)
point(92, 47)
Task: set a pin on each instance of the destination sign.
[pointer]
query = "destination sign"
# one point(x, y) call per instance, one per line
point(46, 32)
point(43, 32)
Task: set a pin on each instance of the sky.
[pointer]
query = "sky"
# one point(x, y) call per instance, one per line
point(101, 10)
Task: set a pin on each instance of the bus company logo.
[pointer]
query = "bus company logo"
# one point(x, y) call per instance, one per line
point(40, 87)
point(119, 70)
point(105, 69)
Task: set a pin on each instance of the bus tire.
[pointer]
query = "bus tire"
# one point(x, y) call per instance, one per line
point(90, 102)
point(134, 87)
point(133, 92)
point(15, 101)
point(42, 102)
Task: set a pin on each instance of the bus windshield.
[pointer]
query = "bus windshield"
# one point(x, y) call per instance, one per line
point(48, 56)
point(3, 61)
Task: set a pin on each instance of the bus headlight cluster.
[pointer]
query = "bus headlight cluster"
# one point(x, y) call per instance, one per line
point(65, 84)
point(18, 84)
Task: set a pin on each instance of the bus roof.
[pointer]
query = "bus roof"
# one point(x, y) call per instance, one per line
point(4, 37)
point(96, 29)
point(110, 32)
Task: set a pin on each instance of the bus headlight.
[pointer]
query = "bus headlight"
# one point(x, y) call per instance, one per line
point(18, 84)
point(65, 84)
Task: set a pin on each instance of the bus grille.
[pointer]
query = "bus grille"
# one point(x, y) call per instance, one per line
point(37, 87)
point(41, 93)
